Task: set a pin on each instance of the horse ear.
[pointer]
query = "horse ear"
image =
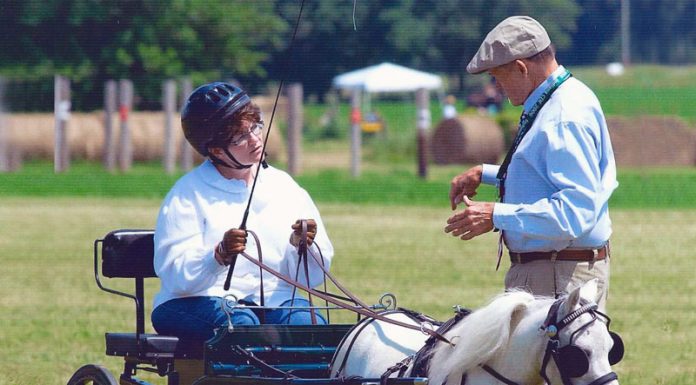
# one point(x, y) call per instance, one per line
point(571, 302)
point(590, 290)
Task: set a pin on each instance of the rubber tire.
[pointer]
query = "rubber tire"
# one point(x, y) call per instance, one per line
point(92, 374)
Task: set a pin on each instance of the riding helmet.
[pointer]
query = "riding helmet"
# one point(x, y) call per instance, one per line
point(207, 109)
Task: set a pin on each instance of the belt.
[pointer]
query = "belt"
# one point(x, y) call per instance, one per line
point(579, 255)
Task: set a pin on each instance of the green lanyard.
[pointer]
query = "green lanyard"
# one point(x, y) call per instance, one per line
point(526, 121)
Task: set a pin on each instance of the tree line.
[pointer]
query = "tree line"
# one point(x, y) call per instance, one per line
point(148, 41)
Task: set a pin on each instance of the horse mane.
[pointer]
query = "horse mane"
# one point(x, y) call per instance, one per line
point(477, 337)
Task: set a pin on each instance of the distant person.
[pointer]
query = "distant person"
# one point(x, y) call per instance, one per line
point(494, 100)
point(449, 110)
point(556, 180)
point(197, 232)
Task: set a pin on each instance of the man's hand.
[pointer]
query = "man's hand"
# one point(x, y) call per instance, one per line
point(296, 234)
point(477, 219)
point(233, 243)
point(465, 184)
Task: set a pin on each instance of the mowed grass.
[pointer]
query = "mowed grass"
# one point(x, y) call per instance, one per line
point(54, 317)
point(379, 184)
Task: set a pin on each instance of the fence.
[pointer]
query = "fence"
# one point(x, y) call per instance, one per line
point(117, 136)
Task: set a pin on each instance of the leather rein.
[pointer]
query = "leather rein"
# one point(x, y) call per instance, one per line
point(360, 307)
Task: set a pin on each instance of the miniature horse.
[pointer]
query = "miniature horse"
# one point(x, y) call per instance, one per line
point(516, 339)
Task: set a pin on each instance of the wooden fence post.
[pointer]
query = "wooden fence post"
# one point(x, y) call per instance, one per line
point(110, 105)
point(295, 123)
point(423, 125)
point(125, 160)
point(61, 108)
point(186, 149)
point(169, 107)
point(355, 133)
point(4, 134)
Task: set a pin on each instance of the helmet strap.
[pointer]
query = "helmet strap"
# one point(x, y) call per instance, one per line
point(235, 163)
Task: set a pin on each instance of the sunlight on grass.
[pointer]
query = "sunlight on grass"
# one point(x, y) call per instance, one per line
point(54, 317)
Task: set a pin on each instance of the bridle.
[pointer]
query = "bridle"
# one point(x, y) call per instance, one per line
point(570, 360)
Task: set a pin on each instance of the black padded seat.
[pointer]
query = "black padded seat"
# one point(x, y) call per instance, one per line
point(151, 346)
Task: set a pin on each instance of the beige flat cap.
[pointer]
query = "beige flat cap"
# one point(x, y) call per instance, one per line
point(517, 37)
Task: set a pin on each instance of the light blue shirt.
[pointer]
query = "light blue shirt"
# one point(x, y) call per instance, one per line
point(561, 177)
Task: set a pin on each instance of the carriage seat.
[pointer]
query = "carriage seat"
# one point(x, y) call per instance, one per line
point(129, 254)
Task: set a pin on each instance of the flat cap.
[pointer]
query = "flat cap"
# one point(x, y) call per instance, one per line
point(517, 37)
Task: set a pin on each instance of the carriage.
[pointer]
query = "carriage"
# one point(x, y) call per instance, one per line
point(559, 339)
point(248, 354)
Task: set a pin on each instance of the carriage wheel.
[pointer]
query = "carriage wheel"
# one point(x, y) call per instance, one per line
point(92, 374)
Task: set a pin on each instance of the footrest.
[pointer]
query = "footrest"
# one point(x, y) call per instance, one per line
point(150, 346)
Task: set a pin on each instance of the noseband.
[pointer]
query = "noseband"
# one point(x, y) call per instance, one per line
point(570, 360)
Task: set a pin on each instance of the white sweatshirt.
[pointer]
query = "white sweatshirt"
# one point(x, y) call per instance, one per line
point(198, 211)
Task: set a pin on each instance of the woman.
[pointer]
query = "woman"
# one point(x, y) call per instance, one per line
point(196, 237)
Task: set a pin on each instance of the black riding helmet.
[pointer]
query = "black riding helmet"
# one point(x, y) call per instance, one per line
point(207, 109)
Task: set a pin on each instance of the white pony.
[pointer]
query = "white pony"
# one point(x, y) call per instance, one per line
point(515, 339)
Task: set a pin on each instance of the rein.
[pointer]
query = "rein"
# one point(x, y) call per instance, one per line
point(242, 226)
point(360, 308)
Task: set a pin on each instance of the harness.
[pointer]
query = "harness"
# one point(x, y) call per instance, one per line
point(400, 366)
point(570, 360)
point(421, 359)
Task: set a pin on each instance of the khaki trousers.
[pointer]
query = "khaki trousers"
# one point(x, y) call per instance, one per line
point(555, 278)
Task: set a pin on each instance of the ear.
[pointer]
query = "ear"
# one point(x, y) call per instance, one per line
point(522, 67)
point(590, 290)
point(215, 151)
point(570, 303)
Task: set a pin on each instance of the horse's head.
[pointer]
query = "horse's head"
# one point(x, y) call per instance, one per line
point(580, 345)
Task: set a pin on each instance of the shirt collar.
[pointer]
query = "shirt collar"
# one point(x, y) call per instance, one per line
point(212, 176)
point(536, 94)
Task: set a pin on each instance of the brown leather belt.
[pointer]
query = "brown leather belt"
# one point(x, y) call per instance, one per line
point(579, 255)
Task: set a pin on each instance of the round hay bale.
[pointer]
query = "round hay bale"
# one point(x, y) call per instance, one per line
point(33, 135)
point(646, 141)
point(467, 139)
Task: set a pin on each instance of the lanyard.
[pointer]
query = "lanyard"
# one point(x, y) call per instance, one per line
point(526, 121)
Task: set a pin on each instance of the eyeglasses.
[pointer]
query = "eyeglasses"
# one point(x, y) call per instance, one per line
point(241, 139)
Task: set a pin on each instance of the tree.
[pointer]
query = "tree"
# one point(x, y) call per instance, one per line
point(443, 35)
point(147, 41)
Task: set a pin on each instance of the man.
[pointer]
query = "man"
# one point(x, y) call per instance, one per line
point(556, 180)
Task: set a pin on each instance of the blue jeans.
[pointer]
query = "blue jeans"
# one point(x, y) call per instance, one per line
point(196, 318)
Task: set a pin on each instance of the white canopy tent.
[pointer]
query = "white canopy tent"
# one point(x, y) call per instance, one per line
point(387, 77)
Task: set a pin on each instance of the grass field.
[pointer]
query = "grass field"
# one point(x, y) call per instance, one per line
point(386, 227)
point(54, 317)
point(393, 184)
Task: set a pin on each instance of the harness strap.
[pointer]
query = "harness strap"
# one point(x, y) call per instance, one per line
point(262, 315)
point(305, 262)
point(550, 348)
point(421, 362)
point(400, 367)
point(609, 377)
point(499, 376)
point(359, 329)
point(342, 367)
point(338, 285)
